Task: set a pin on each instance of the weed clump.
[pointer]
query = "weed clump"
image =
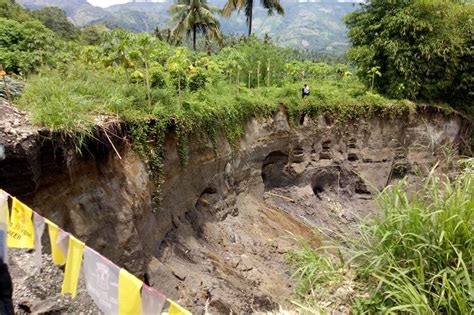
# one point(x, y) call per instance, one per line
point(418, 258)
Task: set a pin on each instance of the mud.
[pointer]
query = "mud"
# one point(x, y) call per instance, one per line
point(227, 219)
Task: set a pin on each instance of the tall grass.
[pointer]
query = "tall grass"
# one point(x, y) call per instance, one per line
point(418, 258)
point(317, 272)
point(69, 99)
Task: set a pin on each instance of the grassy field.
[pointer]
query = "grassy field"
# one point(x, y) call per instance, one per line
point(69, 101)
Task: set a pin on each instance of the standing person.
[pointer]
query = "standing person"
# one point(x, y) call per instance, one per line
point(305, 91)
point(6, 290)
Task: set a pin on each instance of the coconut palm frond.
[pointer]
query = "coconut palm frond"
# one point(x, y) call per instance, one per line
point(233, 5)
point(192, 17)
point(272, 5)
point(236, 5)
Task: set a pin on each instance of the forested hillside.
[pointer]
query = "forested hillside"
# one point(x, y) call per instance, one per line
point(314, 25)
point(80, 11)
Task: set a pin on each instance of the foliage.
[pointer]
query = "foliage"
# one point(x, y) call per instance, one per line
point(92, 35)
point(317, 273)
point(119, 50)
point(56, 20)
point(316, 27)
point(421, 254)
point(192, 17)
point(27, 45)
point(183, 89)
point(417, 258)
point(13, 11)
point(69, 101)
point(175, 82)
point(424, 49)
point(265, 61)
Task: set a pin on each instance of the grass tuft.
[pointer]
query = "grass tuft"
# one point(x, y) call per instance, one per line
point(418, 258)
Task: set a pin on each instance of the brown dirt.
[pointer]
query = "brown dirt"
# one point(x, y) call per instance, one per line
point(217, 241)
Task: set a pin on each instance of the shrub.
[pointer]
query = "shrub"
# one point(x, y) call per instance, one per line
point(26, 46)
point(422, 48)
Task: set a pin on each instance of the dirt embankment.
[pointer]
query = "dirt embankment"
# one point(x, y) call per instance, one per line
point(218, 239)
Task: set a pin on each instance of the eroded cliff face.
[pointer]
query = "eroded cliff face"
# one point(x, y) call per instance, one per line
point(219, 237)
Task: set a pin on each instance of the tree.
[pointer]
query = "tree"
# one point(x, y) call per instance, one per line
point(247, 5)
point(423, 49)
point(56, 20)
point(192, 17)
point(11, 10)
point(26, 46)
point(92, 34)
point(146, 44)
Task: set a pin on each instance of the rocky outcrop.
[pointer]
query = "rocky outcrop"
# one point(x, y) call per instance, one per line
point(226, 220)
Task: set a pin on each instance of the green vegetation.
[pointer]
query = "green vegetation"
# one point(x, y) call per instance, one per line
point(192, 17)
point(418, 259)
point(112, 79)
point(24, 46)
point(137, 76)
point(56, 20)
point(314, 26)
point(423, 49)
point(13, 11)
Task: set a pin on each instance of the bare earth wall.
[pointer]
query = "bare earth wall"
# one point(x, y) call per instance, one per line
point(222, 229)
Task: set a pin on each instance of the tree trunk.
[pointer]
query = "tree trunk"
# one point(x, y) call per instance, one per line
point(194, 37)
point(250, 16)
point(147, 81)
point(126, 74)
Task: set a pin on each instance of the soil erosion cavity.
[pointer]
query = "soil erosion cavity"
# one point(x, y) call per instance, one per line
point(219, 232)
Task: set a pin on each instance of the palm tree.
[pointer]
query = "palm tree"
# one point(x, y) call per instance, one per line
point(270, 5)
point(193, 16)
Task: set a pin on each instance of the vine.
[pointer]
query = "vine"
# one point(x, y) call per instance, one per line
point(148, 141)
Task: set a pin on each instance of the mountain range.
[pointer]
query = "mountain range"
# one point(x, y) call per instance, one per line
point(315, 25)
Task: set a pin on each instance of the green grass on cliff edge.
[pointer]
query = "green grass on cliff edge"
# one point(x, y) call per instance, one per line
point(70, 101)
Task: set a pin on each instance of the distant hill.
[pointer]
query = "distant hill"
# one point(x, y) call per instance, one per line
point(80, 11)
point(313, 25)
point(138, 16)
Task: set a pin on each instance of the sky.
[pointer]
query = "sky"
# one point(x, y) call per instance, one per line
point(105, 3)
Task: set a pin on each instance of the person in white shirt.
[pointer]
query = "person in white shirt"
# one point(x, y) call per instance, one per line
point(305, 91)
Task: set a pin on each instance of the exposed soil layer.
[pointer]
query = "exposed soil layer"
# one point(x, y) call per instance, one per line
point(219, 237)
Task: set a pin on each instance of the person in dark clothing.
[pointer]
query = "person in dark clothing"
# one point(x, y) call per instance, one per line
point(6, 290)
point(305, 91)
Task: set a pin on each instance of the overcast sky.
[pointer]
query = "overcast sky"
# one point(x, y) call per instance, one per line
point(106, 3)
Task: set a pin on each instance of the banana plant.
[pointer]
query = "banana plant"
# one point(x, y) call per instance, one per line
point(146, 44)
point(373, 71)
point(119, 50)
